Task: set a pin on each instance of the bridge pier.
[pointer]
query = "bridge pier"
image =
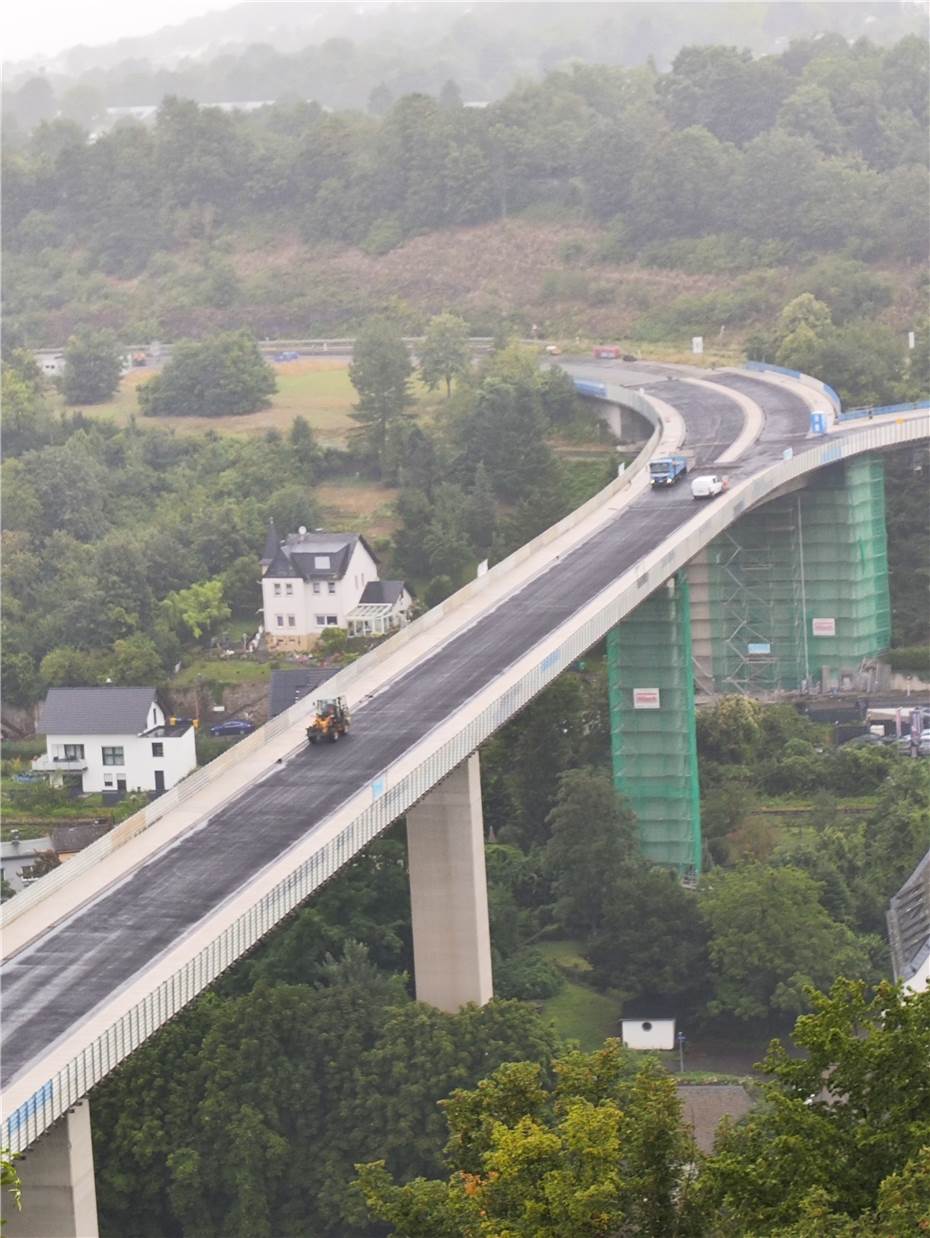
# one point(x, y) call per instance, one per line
point(653, 745)
point(59, 1192)
point(448, 893)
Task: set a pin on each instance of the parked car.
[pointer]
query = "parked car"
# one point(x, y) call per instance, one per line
point(607, 352)
point(287, 356)
point(232, 726)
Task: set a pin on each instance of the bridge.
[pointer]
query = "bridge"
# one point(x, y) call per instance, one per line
point(106, 949)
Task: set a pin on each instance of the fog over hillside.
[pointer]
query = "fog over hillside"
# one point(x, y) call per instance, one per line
point(338, 54)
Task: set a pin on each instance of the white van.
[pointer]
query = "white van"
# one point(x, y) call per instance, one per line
point(707, 487)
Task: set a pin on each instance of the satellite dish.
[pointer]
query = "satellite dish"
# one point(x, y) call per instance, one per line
point(302, 530)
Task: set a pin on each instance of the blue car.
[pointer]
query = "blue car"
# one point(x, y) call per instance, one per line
point(287, 356)
point(232, 726)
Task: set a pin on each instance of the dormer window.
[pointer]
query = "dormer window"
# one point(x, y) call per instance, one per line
point(321, 563)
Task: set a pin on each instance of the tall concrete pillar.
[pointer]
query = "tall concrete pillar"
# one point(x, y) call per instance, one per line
point(57, 1173)
point(449, 894)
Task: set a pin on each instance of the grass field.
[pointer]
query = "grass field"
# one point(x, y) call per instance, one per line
point(357, 505)
point(315, 388)
point(578, 1011)
point(226, 671)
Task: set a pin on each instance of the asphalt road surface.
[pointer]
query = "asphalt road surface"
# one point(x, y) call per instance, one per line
point(58, 980)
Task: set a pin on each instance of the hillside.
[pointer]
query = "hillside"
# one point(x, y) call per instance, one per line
point(513, 272)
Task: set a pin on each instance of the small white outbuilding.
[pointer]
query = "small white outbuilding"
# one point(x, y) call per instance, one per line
point(648, 1025)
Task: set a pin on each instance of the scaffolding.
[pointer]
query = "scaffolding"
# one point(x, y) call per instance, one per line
point(848, 608)
point(651, 687)
point(818, 555)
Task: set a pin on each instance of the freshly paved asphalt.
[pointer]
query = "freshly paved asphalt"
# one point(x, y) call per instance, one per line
point(58, 980)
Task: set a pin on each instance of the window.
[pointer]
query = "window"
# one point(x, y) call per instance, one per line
point(332, 621)
point(320, 621)
point(289, 589)
point(112, 756)
point(74, 752)
point(331, 586)
point(316, 586)
point(291, 621)
point(277, 589)
point(108, 780)
point(321, 563)
point(279, 620)
point(158, 750)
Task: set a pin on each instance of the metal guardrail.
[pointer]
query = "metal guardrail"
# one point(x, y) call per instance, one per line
point(885, 410)
point(391, 800)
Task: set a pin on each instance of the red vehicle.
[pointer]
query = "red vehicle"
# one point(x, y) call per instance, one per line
point(607, 352)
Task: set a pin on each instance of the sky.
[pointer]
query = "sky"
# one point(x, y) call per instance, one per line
point(47, 27)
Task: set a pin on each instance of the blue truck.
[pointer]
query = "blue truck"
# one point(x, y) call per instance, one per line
point(666, 470)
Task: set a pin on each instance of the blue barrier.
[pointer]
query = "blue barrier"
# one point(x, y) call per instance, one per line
point(779, 369)
point(586, 388)
point(853, 414)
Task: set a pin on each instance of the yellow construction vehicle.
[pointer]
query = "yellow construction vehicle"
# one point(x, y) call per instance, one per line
point(331, 721)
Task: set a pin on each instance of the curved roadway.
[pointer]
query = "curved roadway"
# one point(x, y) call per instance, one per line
point(56, 982)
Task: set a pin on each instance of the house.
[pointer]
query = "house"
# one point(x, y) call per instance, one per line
point(384, 606)
point(648, 1023)
point(312, 581)
point(113, 739)
point(292, 685)
point(17, 856)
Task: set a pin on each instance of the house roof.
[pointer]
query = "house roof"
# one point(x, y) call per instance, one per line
point(95, 711)
point(300, 555)
point(650, 1008)
point(289, 686)
point(381, 591)
point(909, 922)
point(72, 838)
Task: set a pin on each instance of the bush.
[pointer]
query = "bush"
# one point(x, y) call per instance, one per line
point(527, 976)
point(909, 658)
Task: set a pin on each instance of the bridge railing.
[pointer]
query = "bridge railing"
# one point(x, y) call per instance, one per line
point(806, 380)
point(884, 410)
point(409, 778)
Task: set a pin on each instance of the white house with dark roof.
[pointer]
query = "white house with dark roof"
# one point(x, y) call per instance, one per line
point(112, 739)
point(312, 581)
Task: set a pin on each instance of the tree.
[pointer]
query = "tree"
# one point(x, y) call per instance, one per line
point(844, 1132)
point(771, 938)
point(70, 668)
point(652, 940)
point(136, 661)
point(93, 366)
point(591, 841)
point(598, 1153)
point(198, 608)
point(444, 353)
point(223, 376)
point(241, 587)
point(380, 372)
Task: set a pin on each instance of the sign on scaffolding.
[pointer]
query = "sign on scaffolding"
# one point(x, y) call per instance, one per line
point(646, 698)
point(823, 627)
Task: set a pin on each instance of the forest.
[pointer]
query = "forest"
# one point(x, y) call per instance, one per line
point(798, 172)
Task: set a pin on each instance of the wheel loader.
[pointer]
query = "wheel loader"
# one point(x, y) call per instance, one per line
point(331, 721)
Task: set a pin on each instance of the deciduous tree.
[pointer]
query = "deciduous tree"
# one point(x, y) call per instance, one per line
point(92, 367)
